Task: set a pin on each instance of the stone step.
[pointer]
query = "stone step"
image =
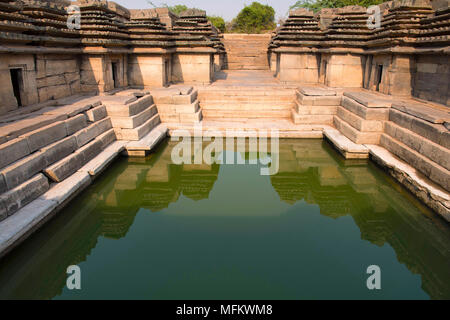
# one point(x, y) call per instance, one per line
point(370, 99)
point(430, 169)
point(92, 131)
point(425, 147)
point(229, 106)
point(138, 132)
point(172, 97)
point(182, 117)
point(318, 100)
point(315, 110)
point(131, 122)
point(96, 114)
point(355, 135)
point(44, 136)
point(64, 168)
point(20, 196)
point(359, 123)
point(311, 119)
point(345, 146)
point(254, 114)
point(20, 171)
point(362, 111)
point(178, 108)
point(131, 109)
point(437, 133)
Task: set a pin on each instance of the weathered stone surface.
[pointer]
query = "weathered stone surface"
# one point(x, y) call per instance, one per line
point(59, 149)
point(364, 112)
point(66, 189)
point(107, 138)
point(44, 136)
point(316, 91)
point(69, 165)
point(423, 112)
point(434, 132)
point(345, 146)
point(431, 194)
point(65, 167)
point(104, 159)
point(96, 114)
point(369, 100)
point(134, 121)
point(15, 228)
point(23, 194)
point(20, 171)
point(86, 135)
point(150, 140)
point(75, 124)
point(3, 186)
point(430, 169)
point(13, 151)
point(90, 150)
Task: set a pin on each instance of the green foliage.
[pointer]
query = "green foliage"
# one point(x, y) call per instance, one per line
point(254, 18)
point(316, 5)
point(218, 22)
point(179, 8)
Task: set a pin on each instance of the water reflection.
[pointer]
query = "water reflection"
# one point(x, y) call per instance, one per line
point(310, 171)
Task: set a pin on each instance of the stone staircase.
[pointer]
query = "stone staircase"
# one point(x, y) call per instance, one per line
point(178, 104)
point(315, 105)
point(361, 116)
point(247, 51)
point(421, 140)
point(241, 103)
point(132, 117)
point(48, 156)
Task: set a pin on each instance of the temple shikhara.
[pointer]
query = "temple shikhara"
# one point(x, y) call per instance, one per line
point(82, 82)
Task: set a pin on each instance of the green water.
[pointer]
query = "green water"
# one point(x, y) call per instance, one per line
point(150, 229)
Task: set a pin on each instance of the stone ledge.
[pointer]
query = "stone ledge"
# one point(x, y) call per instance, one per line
point(345, 146)
point(428, 192)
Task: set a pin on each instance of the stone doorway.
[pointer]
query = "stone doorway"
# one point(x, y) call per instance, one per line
point(17, 84)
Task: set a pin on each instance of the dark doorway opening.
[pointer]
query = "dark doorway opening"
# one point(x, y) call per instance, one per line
point(17, 84)
point(115, 74)
point(379, 76)
point(166, 73)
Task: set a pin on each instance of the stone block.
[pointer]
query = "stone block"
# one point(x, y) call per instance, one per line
point(65, 190)
point(3, 186)
point(90, 151)
point(12, 151)
point(96, 114)
point(62, 169)
point(23, 194)
point(104, 125)
point(75, 124)
point(59, 149)
point(107, 138)
point(44, 136)
point(20, 171)
point(86, 135)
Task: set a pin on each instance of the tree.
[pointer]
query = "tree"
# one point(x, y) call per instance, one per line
point(218, 22)
point(255, 18)
point(316, 5)
point(179, 8)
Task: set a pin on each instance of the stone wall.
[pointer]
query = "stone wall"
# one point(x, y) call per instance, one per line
point(192, 68)
point(432, 78)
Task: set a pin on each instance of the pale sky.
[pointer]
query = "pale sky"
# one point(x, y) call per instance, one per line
point(228, 9)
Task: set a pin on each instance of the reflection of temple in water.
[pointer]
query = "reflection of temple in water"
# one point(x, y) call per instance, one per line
point(308, 171)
